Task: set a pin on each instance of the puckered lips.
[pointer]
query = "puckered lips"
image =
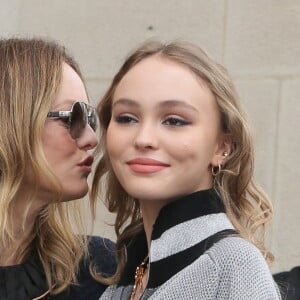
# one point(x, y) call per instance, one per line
point(146, 165)
point(86, 164)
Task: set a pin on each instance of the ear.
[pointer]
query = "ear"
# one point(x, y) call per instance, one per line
point(223, 150)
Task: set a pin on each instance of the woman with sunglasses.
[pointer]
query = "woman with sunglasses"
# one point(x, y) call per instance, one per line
point(47, 133)
point(178, 164)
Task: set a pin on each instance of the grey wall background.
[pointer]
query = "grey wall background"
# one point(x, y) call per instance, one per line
point(257, 40)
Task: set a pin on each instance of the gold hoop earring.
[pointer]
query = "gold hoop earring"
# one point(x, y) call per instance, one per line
point(215, 171)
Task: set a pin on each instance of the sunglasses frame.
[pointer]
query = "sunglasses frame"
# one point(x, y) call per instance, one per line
point(89, 116)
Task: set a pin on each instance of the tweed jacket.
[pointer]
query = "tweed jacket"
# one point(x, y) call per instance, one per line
point(187, 262)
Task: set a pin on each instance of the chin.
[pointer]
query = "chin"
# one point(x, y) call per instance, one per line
point(145, 195)
point(75, 194)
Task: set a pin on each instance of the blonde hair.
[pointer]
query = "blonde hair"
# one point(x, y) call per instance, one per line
point(30, 76)
point(246, 204)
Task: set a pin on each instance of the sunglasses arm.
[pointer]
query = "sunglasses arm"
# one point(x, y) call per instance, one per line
point(59, 114)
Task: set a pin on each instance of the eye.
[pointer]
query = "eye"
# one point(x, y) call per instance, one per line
point(125, 119)
point(173, 121)
point(65, 122)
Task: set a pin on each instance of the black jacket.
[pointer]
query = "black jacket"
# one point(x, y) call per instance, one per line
point(289, 283)
point(27, 281)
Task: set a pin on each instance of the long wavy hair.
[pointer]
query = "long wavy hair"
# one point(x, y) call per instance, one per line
point(247, 206)
point(30, 76)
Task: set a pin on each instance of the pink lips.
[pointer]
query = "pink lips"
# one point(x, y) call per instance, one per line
point(146, 165)
point(86, 164)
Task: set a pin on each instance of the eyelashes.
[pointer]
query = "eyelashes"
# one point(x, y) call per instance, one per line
point(169, 121)
point(64, 122)
point(125, 119)
point(172, 121)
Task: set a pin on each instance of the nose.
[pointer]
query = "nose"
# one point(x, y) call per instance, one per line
point(146, 137)
point(88, 139)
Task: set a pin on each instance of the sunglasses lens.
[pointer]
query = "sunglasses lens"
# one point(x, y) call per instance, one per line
point(92, 118)
point(78, 119)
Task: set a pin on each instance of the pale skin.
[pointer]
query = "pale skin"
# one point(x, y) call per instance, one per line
point(164, 135)
point(63, 155)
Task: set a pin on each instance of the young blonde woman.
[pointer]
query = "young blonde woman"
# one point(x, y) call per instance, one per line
point(178, 164)
point(47, 133)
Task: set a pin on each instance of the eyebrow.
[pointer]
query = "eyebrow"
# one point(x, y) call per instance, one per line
point(125, 101)
point(163, 104)
point(66, 103)
point(176, 103)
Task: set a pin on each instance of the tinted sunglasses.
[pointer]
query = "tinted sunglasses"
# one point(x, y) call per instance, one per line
point(77, 118)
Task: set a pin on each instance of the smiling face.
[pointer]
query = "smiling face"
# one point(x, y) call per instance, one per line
point(68, 158)
point(164, 134)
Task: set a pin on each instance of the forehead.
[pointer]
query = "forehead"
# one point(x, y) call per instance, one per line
point(71, 88)
point(160, 79)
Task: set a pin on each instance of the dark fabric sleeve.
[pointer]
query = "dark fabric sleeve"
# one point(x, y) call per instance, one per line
point(102, 256)
point(289, 283)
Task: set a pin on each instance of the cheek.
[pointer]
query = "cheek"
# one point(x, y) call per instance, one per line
point(193, 152)
point(58, 150)
point(111, 143)
point(185, 152)
point(182, 149)
point(116, 141)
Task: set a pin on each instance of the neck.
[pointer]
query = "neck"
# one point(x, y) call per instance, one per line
point(150, 211)
point(23, 216)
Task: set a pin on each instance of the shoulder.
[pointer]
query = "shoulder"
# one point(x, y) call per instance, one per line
point(102, 254)
point(289, 283)
point(100, 243)
point(236, 249)
point(235, 256)
point(99, 246)
point(242, 267)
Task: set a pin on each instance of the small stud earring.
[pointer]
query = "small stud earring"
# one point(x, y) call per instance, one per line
point(225, 154)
